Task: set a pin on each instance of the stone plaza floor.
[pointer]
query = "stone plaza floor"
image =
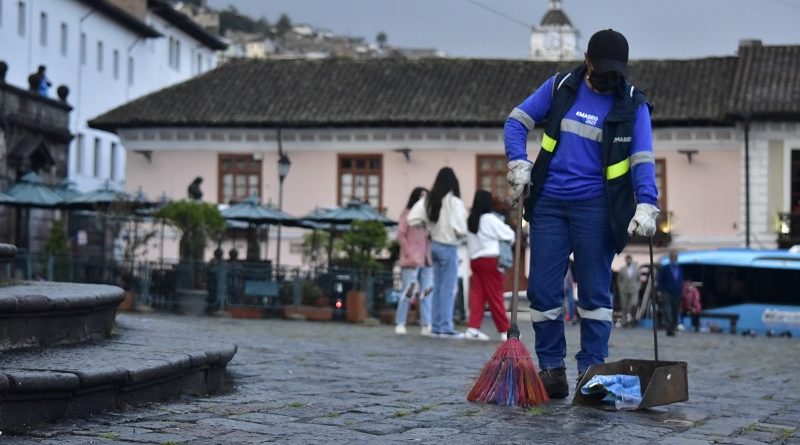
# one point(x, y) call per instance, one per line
point(304, 382)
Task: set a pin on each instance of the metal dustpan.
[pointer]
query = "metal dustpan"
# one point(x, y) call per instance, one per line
point(661, 382)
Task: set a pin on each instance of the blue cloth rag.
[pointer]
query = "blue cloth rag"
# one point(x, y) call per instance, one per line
point(621, 390)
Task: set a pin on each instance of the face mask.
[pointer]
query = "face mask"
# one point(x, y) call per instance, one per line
point(604, 82)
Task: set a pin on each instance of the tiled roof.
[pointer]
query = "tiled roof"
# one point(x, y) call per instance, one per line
point(686, 92)
point(767, 82)
point(428, 92)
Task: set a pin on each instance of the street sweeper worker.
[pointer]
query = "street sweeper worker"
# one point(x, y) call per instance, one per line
point(591, 186)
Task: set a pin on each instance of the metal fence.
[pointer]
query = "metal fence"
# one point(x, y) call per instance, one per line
point(162, 285)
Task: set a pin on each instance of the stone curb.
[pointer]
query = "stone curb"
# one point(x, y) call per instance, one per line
point(40, 386)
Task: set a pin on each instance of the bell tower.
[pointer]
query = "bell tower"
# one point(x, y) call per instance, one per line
point(555, 38)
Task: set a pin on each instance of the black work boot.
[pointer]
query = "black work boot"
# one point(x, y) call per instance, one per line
point(555, 382)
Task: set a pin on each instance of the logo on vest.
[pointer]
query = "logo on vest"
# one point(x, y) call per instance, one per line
point(589, 119)
point(622, 139)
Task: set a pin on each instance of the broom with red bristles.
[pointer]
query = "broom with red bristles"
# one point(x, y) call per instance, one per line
point(510, 377)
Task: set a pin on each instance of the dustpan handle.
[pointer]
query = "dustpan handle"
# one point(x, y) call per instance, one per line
point(653, 297)
point(513, 332)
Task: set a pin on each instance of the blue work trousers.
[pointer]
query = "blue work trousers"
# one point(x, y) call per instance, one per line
point(558, 228)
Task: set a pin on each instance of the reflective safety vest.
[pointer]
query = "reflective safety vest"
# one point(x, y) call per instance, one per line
point(617, 136)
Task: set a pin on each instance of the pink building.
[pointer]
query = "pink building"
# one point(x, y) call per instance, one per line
point(373, 130)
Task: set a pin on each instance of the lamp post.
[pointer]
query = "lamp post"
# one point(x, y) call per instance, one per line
point(283, 170)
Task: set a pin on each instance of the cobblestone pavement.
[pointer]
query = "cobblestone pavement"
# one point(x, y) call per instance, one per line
point(304, 382)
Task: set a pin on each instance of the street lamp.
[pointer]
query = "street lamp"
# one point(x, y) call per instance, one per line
point(283, 171)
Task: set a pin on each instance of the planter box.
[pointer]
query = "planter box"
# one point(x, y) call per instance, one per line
point(316, 313)
point(127, 304)
point(387, 316)
point(356, 306)
point(255, 312)
point(192, 301)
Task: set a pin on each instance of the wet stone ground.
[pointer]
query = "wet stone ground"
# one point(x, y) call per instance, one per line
point(303, 382)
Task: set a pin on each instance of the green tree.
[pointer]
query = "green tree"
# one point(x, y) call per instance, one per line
point(283, 25)
point(58, 247)
point(363, 242)
point(198, 223)
point(381, 38)
point(315, 245)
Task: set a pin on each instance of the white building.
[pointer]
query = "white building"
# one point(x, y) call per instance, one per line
point(555, 38)
point(107, 52)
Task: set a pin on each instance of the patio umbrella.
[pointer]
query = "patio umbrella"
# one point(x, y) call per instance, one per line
point(31, 191)
point(353, 211)
point(67, 190)
point(105, 197)
point(102, 200)
point(253, 212)
point(339, 219)
point(5, 199)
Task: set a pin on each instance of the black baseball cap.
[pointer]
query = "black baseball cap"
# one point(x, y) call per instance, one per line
point(608, 51)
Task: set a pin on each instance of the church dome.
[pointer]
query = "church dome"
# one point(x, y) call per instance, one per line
point(555, 16)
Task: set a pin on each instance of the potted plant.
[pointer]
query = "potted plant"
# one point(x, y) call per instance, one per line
point(314, 304)
point(198, 223)
point(363, 242)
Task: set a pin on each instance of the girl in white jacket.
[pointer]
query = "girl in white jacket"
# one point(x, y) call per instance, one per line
point(445, 217)
point(485, 231)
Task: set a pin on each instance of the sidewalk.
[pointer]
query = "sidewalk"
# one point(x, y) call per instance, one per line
point(303, 382)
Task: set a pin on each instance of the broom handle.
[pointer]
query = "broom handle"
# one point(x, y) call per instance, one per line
point(653, 297)
point(513, 332)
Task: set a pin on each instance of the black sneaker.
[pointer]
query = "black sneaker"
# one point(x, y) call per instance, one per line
point(555, 382)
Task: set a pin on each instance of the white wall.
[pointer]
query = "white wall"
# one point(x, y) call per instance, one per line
point(93, 91)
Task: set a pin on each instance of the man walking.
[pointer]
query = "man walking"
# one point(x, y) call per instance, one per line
point(628, 284)
point(670, 287)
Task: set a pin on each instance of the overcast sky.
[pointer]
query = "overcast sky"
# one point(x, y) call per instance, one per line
point(654, 28)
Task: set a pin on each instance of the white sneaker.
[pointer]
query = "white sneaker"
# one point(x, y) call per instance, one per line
point(426, 331)
point(474, 334)
point(503, 336)
point(455, 335)
point(400, 329)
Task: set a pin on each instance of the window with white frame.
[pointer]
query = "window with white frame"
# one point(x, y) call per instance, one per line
point(171, 52)
point(360, 178)
point(64, 37)
point(199, 63)
point(99, 56)
point(79, 154)
point(43, 29)
point(177, 54)
point(83, 48)
point(113, 173)
point(21, 19)
point(98, 147)
point(116, 64)
point(130, 70)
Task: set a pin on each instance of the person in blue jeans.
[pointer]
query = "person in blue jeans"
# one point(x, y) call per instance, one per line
point(443, 213)
point(415, 269)
point(592, 185)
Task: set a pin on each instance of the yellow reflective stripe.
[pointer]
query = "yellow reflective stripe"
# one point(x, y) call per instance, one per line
point(620, 168)
point(548, 143)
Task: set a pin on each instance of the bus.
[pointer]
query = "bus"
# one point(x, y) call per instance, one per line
point(761, 286)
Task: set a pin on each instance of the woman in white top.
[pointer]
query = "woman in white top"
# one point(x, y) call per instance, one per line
point(485, 231)
point(445, 217)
